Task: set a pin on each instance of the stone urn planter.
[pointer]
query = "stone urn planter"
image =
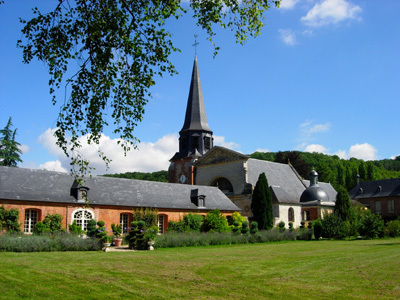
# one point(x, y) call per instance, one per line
point(117, 242)
point(105, 245)
point(150, 243)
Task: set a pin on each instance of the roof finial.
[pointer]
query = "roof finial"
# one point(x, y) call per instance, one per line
point(195, 44)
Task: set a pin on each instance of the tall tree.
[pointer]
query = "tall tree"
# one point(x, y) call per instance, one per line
point(120, 47)
point(343, 204)
point(9, 150)
point(261, 203)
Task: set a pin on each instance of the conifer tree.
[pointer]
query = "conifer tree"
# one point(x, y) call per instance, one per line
point(261, 204)
point(9, 151)
point(342, 205)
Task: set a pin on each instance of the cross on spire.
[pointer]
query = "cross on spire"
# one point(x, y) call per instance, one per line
point(195, 44)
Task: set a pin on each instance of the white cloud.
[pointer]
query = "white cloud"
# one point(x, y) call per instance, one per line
point(220, 141)
point(24, 148)
point(288, 4)
point(262, 150)
point(360, 151)
point(331, 12)
point(53, 166)
point(308, 128)
point(316, 148)
point(363, 151)
point(149, 157)
point(287, 36)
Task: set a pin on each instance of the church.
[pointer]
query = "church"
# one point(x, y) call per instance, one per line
point(199, 162)
point(202, 177)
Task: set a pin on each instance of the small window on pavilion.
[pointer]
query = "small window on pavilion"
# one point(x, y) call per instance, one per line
point(195, 142)
point(291, 214)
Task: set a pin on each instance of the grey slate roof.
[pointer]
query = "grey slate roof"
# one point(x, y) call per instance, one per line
point(55, 187)
point(284, 182)
point(377, 188)
point(195, 118)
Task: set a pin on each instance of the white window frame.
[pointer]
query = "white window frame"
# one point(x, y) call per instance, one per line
point(124, 222)
point(83, 219)
point(31, 218)
point(160, 223)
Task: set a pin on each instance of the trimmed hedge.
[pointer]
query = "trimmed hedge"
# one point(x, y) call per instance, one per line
point(176, 239)
point(47, 243)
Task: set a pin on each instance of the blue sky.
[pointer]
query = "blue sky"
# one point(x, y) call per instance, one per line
point(323, 76)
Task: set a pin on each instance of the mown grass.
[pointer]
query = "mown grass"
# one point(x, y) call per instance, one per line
point(284, 270)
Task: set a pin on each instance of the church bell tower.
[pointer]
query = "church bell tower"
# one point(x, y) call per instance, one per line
point(195, 137)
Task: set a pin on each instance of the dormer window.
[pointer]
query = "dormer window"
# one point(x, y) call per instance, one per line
point(198, 200)
point(80, 193)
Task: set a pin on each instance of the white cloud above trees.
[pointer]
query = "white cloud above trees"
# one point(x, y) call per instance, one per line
point(148, 157)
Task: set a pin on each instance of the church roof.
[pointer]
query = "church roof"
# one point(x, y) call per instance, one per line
point(55, 187)
point(284, 182)
point(377, 188)
point(195, 118)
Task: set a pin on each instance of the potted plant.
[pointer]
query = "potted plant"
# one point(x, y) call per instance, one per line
point(116, 229)
point(150, 235)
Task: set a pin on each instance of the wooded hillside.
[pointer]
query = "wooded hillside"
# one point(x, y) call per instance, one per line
point(333, 169)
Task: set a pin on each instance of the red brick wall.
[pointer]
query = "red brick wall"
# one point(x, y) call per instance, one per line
point(108, 214)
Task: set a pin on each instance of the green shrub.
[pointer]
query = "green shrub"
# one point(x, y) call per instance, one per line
point(148, 215)
point(116, 229)
point(193, 222)
point(91, 228)
point(393, 228)
point(291, 228)
point(40, 228)
point(371, 225)
point(75, 229)
point(101, 232)
point(53, 223)
point(9, 220)
point(245, 227)
point(236, 227)
point(253, 227)
point(215, 222)
point(317, 229)
point(281, 226)
point(332, 226)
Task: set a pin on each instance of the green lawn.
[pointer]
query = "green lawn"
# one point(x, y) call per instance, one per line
point(285, 270)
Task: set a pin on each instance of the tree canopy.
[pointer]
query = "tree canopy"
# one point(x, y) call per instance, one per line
point(9, 147)
point(331, 168)
point(120, 47)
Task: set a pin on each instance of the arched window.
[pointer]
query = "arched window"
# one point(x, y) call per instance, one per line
point(223, 184)
point(291, 214)
point(31, 218)
point(82, 217)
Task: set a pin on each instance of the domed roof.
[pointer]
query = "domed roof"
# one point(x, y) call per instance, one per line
point(314, 192)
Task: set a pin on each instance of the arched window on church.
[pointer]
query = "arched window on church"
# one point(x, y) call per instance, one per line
point(223, 184)
point(291, 214)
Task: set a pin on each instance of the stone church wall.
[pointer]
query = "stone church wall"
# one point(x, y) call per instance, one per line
point(284, 214)
point(233, 171)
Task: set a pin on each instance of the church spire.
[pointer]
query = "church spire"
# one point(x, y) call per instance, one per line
point(195, 137)
point(195, 118)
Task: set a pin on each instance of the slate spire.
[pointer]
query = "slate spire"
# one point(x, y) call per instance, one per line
point(195, 118)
